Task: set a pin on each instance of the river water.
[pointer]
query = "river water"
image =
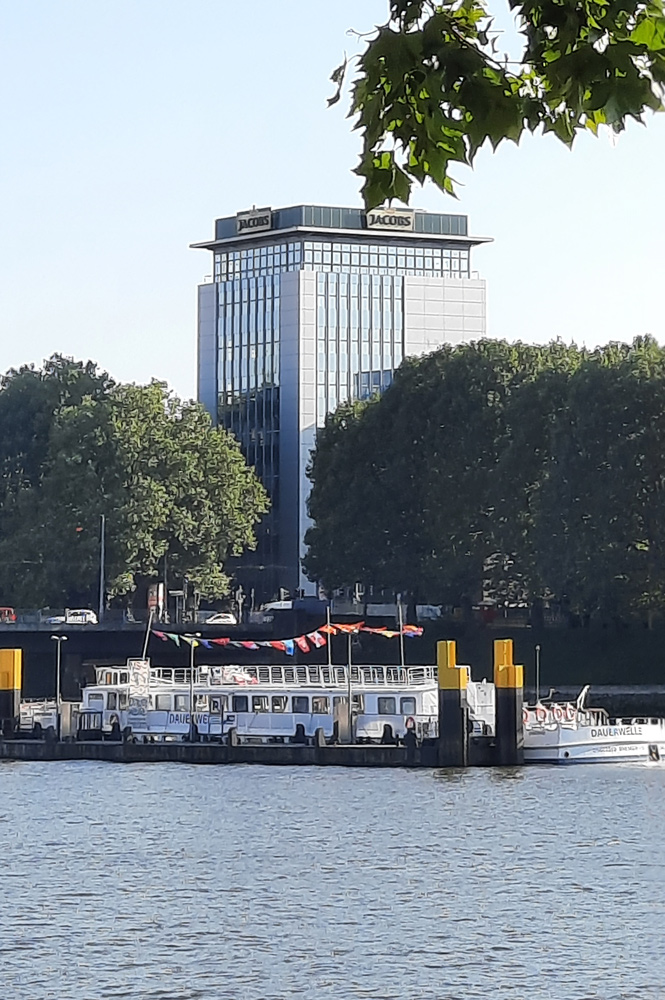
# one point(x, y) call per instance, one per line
point(171, 882)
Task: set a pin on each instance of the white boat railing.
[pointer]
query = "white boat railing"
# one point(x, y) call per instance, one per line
point(284, 675)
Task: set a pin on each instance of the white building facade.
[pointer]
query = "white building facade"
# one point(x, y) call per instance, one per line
point(311, 306)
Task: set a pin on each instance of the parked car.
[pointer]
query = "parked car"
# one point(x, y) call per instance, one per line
point(74, 616)
point(217, 618)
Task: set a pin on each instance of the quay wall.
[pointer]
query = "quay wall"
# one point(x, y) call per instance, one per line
point(214, 753)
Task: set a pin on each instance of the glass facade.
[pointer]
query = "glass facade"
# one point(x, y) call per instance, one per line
point(359, 335)
point(351, 258)
point(248, 377)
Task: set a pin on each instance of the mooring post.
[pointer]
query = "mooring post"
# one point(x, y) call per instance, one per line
point(509, 684)
point(11, 662)
point(453, 743)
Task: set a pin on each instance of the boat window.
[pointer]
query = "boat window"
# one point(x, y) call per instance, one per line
point(279, 702)
point(112, 700)
point(240, 703)
point(108, 677)
point(124, 677)
point(260, 703)
point(357, 703)
point(182, 703)
point(407, 706)
point(386, 706)
point(96, 699)
point(163, 702)
point(300, 704)
point(200, 702)
point(321, 706)
point(123, 699)
point(217, 704)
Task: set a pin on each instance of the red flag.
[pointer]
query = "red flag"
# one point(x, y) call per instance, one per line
point(160, 635)
point(316, 638)
point(328, 629)
point(249, 645)
point(278, 644)
point(220, 642)
point(301, 643)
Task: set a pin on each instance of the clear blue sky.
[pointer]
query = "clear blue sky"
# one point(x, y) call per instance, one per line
point(129, 125)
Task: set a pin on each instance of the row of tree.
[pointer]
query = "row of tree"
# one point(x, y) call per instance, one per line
point(75, 445)
point(505, 470)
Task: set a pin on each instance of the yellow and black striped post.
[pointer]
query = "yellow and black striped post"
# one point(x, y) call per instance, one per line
point(509, 685)
point(453, 744)
point(11, 664)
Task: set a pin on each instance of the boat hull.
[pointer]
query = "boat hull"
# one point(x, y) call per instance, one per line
point(605, 744)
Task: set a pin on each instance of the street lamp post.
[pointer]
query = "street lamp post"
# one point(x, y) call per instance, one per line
point(102, 565)
point(192, 636)
point(58, 661)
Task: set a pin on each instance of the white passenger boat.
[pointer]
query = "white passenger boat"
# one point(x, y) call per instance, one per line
point(567, 733)
point(291, 703)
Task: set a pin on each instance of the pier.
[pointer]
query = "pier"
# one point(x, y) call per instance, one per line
point(476, 724)
point(274, 754)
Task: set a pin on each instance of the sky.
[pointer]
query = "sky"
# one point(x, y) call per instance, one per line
point(128, 126)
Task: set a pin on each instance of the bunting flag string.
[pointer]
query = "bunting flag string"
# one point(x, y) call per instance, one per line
point(318, 638)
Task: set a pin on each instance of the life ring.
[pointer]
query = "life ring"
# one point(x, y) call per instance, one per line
point(558, 713)
point(410, 723)
point(541, 713)
point(570, 712)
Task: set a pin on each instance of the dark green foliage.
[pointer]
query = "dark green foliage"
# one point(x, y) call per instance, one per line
point(74, 445)
point(490, 468)
point(431, 87)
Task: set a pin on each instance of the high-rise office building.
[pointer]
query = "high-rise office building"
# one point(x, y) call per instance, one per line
point(310, 306)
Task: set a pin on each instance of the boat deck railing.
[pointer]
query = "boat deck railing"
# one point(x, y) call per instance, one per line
point(299, 675)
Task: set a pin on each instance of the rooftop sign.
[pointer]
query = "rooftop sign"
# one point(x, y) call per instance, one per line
point(398, 219)
point(255, 221)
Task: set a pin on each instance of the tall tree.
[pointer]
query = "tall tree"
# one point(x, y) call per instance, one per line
point(169, 484)
point(432, 87)
point(599, 520)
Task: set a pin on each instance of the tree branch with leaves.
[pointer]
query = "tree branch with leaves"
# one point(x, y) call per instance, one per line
point(430, 88)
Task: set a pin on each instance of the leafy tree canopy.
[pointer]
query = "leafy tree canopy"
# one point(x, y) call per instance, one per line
point(432, 87)
point(506, 470)
point(169, 484)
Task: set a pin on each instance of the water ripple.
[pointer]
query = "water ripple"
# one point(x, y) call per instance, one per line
point(181, 883)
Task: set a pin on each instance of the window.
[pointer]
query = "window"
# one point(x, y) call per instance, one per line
point(123, 699)
point(386, 706)
point(300, 704)
point(96, 699)
point(260, 703)
point(321, 706)
point(407, 706)
point(200, 702)
point(182, 703)
point(163, 702)
point(217, 704)
point(279, 702)
point(240, 703)
point(112, 700)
